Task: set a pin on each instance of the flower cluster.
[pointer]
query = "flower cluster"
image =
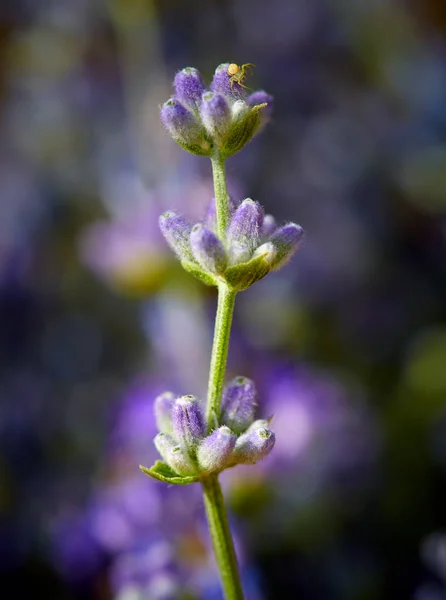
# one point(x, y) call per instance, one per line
point(253, 245)
point(221, 119)
point(190, 447)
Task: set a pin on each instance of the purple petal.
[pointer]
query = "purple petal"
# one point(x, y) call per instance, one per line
point(214, 452)
point(239, 404)
point(208, 250)
point(189, 87)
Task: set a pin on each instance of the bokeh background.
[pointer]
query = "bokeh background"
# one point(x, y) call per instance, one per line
point(347, 344)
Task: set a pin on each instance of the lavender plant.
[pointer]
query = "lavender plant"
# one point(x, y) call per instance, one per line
point(234, 246)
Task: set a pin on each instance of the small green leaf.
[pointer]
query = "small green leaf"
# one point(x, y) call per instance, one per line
point(197, 272)
point(163, 472)
point(240, 277)
point(242, 131)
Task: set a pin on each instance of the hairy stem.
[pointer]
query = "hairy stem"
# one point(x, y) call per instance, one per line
point(221, 538)
point(222, 332)
point(221, 195)
point(213, 496)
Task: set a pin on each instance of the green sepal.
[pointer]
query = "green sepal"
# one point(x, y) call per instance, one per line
point(197, 272)
point(240, 277)
point(161, 471)
point(242, 131)
point(199, 150)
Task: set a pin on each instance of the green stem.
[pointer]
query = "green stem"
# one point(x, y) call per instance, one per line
point(221, 195)
point(213, 496)
point(221, 538)
point(222, 332)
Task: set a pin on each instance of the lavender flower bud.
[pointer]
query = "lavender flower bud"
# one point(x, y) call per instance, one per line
point(239, 404)
point(208, 249)
point(261, 97)
point(216, 116)
point(177, 230)
point(163, 411)
point(184, 127)
point(246, 224)
point(189, 87)
point(286, 241)
point(188, 422)
point(173, 455)
point(224, 83)
point(253, 445)
point(267, 252)
point(239, 254)
point(269, 226)
point(214, 452)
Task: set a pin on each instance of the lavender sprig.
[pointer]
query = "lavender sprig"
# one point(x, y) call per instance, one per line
point(232, 248)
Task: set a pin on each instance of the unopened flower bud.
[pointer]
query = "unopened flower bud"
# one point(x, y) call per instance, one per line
point(214, 452)
point(177, 231)
point(224, 83)
point(173, 455)
point(216, 116)
point(253, 445)
point(239, 404)
point(267, 252)
point(269, 226)
point(184, 127)
point(208, 250)
point(188, 422)
point(239, 253)
point(246, 224)
point(163, 411)
point(189, 87)
point(261, 97)
point(286, 241)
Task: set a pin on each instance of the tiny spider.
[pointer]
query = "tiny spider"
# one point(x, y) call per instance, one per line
point(237, 74)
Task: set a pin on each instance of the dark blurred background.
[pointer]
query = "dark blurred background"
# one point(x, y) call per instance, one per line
point(347, 344)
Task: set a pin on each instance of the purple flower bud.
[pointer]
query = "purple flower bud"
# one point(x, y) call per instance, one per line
point(239, 404)
point(173, 455)
point(269, 226)
point(163, 411)
point(177, 230)
point(286, 241)
point(214, 452)
point(188, 422)
point(268, 252)
point(224, 83)
point(184, 127)
point(189, 87)
point(208, 249)
point(253, 445)
point(216, 116)
point(246, 224)
point(261, 97)
point(239, 253)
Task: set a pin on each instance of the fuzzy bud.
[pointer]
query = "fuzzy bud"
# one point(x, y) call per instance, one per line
point(239, 404)
point(189, 87)
point(253, 445)
point(246, 224)
point(216, 116)
point(286, 241)
point(163, 411)
point(177, 231)
point(214, 452)
point(261, 98)
point(173, 455)
point(208, 250)
point(211, 216)
point(184, 127)
point(188, 422)
point(224, 83)
point(269, 226)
